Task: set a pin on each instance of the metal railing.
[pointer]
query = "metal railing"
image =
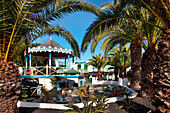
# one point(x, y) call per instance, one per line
point(38, 70)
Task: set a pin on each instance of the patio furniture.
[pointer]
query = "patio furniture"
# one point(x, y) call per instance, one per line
point(58, 98)
point(112, 92)
point(109, 87)
point(106, 93)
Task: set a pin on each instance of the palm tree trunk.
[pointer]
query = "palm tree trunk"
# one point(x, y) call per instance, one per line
point(123, 72)
point(116, 74)
point(136, 51)
point(9, 87)
point(99, 73)
point(148, 63)
point(161, 78)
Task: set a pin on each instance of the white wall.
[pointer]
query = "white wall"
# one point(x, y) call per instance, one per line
point(90, 68)
point(46, 83)
point(95, 81)
point(58, 63)
point(79, 81)
point(74, 66)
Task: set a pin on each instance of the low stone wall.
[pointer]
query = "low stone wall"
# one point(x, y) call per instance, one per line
point(95, 82)
point(122, 82)
point(63, 107)
point(60, 106)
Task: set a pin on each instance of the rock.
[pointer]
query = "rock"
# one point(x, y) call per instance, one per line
point(1, 85)
point(2, 81)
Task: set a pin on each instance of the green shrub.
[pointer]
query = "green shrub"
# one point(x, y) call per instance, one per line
point(54, 80)
point(86, 75)
point(128, 104)
point(88, 105)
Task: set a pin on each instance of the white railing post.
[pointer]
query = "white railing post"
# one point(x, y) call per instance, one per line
point(30, 66)
point(47, 70)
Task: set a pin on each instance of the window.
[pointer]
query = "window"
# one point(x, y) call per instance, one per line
point(81, 83)
point(79, 66)
point(85, 67)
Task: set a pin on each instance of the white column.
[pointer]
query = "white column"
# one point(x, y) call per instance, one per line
point(26, 65)
point(49, 63)
point(68, 61)
point(30, 73)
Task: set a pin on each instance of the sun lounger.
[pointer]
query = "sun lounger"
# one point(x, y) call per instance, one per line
point(58, 98)
point(109, 87)
point(106, 93)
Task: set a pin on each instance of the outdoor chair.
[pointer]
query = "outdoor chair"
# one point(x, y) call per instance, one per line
point(58, 98)
point(68, 100)
point(112, 92)
point(109, 87)
point(119, 86)
point(107, 93)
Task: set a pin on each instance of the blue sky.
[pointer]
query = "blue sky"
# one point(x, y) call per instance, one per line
point(76, 23)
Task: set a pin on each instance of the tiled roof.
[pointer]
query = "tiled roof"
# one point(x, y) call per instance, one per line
point(50, 43)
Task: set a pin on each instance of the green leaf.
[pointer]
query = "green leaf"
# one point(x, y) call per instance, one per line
point(121, 106)
point(76, 108)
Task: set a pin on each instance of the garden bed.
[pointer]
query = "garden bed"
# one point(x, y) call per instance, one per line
point(63, 107)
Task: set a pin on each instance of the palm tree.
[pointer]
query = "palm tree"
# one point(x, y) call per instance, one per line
point(125, 35)
point(152, 35)
point(114, 36)
point(116, 31)
point(160, 10)
point(32, 22)
point(138, 33)
point(22, 20)
point(114, 59)
point(98, 62)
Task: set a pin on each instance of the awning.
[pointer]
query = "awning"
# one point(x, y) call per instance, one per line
point(71, 71)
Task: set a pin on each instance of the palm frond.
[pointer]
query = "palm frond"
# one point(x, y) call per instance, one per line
point(157, 8)
point(59, 31)
point(30, 19)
